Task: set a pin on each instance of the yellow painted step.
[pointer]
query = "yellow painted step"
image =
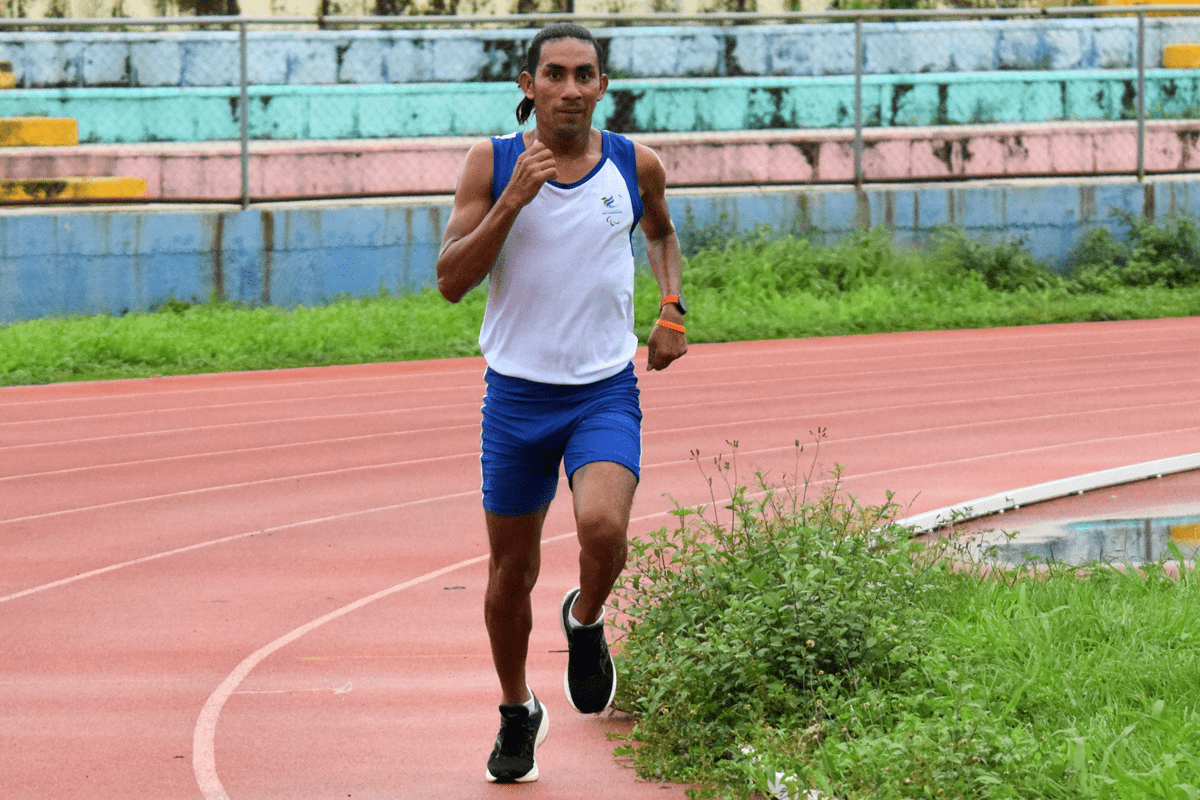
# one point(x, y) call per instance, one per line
point(38, 131)
point(1148, 3)
point(1181, 56)
point(73, 189)
point(1186, 534)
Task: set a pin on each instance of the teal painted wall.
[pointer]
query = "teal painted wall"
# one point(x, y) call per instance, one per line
point(631, 106)
point(91, 261)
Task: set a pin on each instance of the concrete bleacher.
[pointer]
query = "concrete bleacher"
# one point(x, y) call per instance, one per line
point(371, 112)
point(283, 170)
point(282, 112)
point(411, 139)
point(305, 57)
point(21, 138)
point(309, 253)
point(21, 135)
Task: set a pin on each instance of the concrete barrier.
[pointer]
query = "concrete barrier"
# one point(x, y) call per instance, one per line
point(359, 168)
point(112, 261)
point(630, 106)
point(312, 57)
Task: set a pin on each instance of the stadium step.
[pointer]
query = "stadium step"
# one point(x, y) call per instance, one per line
point(38, 132)
point(362, 168)
point(72, 189)
point(1181, 56)
point(30, 135)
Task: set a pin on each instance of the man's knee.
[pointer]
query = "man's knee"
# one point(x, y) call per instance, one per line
point(515, 559)
point(603, 524)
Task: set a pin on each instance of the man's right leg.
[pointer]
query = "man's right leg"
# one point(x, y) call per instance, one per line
point(508, 611)
point(512, 572)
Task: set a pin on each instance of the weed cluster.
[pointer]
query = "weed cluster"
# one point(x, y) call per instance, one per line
point(777, 644)
point(1167, 257)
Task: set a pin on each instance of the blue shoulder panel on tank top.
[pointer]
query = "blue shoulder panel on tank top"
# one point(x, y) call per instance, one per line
point(505, 150)
point(625, 157)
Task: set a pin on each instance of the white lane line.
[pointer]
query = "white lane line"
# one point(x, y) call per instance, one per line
point(201, 545)
point(204, 761)
point(249, 404)
point(277, 421)
point(238, 451)
point(240, 389)
point(738, 453)
point(243, 485)
point(821, 359)
point(887, 391)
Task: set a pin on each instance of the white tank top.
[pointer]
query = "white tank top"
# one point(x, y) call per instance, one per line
point(560, 302)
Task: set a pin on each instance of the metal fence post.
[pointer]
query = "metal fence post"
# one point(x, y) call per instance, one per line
point(1141, 96)
point(858, 102)
point(243, 114)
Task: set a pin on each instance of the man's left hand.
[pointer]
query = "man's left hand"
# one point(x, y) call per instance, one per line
point(665, 345)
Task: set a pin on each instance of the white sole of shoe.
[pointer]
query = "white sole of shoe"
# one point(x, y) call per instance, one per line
point(532, 775)
point(562, 618)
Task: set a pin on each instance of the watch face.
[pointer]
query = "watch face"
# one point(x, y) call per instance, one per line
point(682, 305)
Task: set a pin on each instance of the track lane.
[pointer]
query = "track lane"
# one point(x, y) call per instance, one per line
point(938, 417)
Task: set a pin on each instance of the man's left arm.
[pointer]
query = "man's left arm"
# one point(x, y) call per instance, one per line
point(667, 341)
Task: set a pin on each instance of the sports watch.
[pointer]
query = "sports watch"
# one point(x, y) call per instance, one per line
point(676, 299)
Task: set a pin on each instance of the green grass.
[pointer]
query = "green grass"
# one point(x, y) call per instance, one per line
point(810, 644)
point(758, 286)
point(222, 337)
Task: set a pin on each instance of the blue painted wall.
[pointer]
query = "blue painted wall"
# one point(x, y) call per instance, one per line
point(91, 261)
point(308, 57)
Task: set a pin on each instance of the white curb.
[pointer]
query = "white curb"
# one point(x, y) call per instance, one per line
point(1007, 501)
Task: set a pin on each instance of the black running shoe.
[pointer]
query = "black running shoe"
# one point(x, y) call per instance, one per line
point(591, 677)
point(512, 759)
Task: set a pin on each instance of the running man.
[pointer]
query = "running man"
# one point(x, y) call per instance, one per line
point(547, 216)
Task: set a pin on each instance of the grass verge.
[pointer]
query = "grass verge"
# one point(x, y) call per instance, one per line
point(810, 645)
point(758, 286)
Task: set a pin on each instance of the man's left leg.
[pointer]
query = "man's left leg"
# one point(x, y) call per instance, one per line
point(603, 496)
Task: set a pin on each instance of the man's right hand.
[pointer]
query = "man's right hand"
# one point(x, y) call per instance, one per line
point(533, 168)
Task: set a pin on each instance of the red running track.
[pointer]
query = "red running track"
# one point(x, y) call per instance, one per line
point(269, 585)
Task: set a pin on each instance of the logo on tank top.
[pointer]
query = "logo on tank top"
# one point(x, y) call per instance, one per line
point(612, 213)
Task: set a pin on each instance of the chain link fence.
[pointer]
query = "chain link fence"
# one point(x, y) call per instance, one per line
point(252, 109)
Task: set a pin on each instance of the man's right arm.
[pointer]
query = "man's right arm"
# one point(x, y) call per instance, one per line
point(478, 227)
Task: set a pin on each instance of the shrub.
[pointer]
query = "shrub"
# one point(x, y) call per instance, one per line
point(1003, 266)
point(759, 620)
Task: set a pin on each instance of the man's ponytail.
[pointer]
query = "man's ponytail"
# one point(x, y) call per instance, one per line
point(524, 109)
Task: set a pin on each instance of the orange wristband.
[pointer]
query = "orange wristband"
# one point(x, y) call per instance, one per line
point(671, 325)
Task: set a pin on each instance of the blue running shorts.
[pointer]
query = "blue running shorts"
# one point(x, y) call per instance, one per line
point(530, 428)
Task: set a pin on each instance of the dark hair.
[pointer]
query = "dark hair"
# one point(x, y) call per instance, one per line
point(533, 55)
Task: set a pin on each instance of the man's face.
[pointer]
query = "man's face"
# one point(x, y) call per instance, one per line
point(568, 84)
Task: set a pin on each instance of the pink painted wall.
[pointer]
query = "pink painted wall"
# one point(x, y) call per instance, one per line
point(285, 170)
